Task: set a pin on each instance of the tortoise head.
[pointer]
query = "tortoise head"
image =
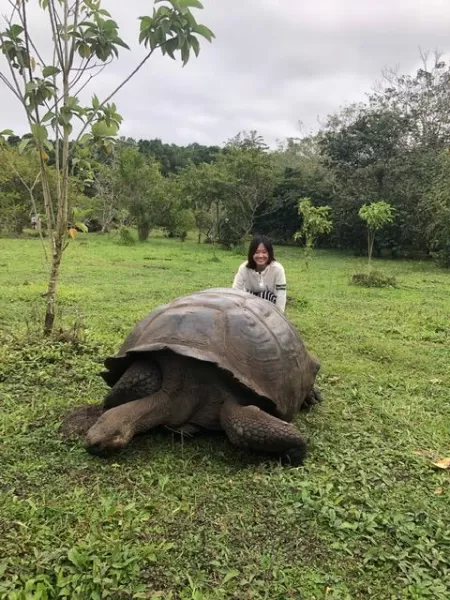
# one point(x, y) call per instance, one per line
point(315, 364)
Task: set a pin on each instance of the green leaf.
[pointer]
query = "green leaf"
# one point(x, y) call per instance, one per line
point(194, 43)
point(82, 227)
point(190, 3)
point(152, 38)
point(23, 144)
point(181, 39)
point(49, 115)
point(170, 46)
point(39, 132)
point(84, 51)
point(6, 132)
point(75, 557)
point(230, 575)
point(101, 129)
point(15, 30)
point(204, 32)
point(143, 36)
point(65, 116)
point(120, 42)
point(145, 22)
point(185, 54)
point(50, 70)
point(85, 139)
point(48, 144)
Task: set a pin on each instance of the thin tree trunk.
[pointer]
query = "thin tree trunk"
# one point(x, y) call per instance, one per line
point(52, 284)
point(58, 230)
point(370, 240)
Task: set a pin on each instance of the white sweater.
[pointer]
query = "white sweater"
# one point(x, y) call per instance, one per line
point(273, 279)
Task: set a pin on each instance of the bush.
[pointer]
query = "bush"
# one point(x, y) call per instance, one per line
point(126, 237)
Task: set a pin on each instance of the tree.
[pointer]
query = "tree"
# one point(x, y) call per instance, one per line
point(316, 221)
point(205, 188)
point(84, 40)
point(173, 158)
point(106, 201)
point(376, 216)
point(225, 194)
point(423, 100)
point(370, 155)
point(250, 176)
point(19, 179)
point(435, 210)
point(137, 185)
point(300, 172)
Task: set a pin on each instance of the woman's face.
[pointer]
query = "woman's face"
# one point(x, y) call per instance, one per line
point(261, 256)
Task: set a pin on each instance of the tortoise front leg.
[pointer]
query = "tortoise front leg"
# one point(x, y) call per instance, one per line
point(251, 427)
point(116, 427)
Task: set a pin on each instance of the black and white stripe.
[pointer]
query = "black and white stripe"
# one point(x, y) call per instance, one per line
point(266, 295)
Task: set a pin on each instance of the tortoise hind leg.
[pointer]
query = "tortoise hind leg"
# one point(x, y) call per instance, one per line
point(251, 427)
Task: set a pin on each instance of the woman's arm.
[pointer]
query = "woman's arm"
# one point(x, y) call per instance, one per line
point(240, 279)
point(280, 288)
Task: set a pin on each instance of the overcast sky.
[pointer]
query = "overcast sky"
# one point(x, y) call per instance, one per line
point(272, 65)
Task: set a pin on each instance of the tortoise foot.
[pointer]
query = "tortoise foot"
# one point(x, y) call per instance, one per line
point(251, 427)
point(295, 457)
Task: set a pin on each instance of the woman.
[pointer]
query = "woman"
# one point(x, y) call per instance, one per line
point(261, 274)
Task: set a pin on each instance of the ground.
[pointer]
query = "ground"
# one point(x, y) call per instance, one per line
point(366, 517)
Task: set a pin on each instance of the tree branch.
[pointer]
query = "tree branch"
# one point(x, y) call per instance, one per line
point(24, 24)
point(32, 199)
point(120, 86)
point(10, 86)
point(56, 37)
point(90, 78)
point(76, 9)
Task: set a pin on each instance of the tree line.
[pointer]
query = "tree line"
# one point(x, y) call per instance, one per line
point(393, 148)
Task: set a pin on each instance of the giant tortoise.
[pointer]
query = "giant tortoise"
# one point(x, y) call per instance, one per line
point(218, 359)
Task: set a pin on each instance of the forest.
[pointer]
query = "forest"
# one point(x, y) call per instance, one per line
point(394, 148)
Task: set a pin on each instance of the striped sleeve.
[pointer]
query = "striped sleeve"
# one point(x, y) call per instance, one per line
point(280, 288)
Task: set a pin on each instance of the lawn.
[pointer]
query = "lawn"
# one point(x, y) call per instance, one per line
point(366, 517)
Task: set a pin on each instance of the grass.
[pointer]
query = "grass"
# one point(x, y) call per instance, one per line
point(366, 517)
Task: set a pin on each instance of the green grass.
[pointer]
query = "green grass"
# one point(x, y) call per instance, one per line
point(366, 517)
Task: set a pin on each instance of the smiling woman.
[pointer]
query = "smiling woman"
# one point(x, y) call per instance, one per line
point(261, 274)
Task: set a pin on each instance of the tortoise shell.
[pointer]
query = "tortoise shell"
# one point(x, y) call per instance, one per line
point(243, 334)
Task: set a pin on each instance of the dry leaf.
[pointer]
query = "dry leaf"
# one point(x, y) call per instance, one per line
point(334, 379)
point(442, 463)
point(435, 380)
point(421, 452)
point(438, 490)
point(72, 232)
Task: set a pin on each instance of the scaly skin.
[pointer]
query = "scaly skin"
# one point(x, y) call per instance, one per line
point(195, 395)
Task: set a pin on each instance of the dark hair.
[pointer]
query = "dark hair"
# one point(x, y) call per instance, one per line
point(256, 241)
